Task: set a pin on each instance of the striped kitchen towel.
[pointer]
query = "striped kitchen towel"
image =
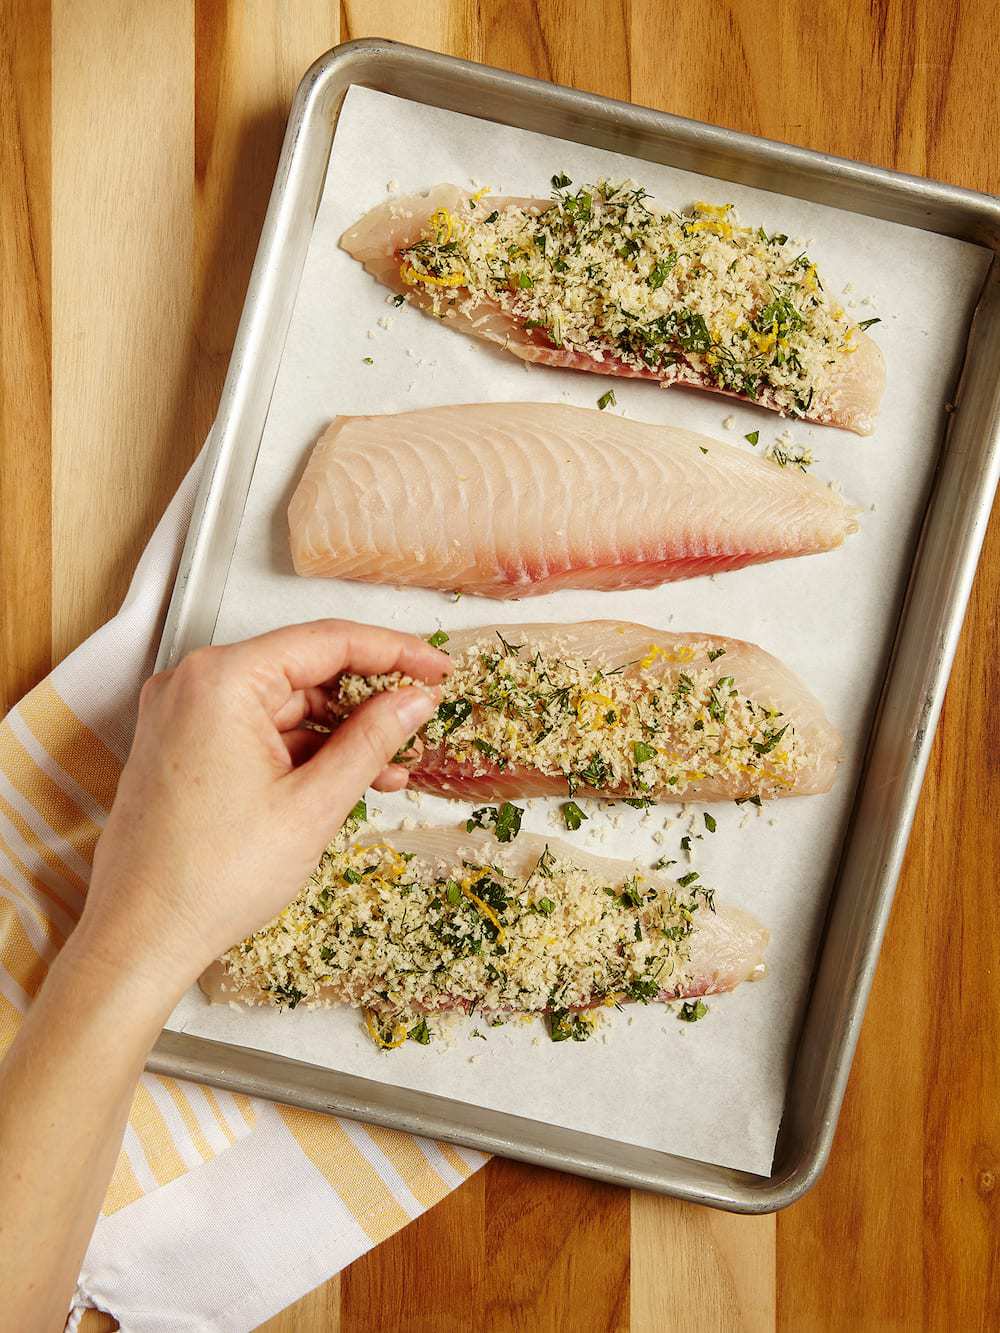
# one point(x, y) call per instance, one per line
point(222, 1209)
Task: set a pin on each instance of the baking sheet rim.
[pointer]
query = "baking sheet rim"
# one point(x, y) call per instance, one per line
point(327, 82)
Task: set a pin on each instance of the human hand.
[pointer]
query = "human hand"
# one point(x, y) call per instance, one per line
point(227, 801)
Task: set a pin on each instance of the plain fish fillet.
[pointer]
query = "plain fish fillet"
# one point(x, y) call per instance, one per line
point(516, 499)
point(377, 239)
point(726, 947)
point(612, 644)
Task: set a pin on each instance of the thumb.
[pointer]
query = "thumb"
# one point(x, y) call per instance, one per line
point(359, 750)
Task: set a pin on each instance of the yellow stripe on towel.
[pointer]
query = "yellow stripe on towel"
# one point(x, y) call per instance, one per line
point(76, 888)
point(72, 745)
point(61, 813)
point(18, 956)
point(417, 1173)
point(191, 1123)
point(123, 1188)
point(456, 1162)
point(359, 1186)
point(146, 1119)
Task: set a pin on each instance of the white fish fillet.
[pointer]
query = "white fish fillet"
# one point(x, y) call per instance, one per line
point(611, 644)
point(516, 499)
point(376, 240)
point(726, 947)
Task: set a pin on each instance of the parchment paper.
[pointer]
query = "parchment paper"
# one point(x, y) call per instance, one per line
point(711, 1090)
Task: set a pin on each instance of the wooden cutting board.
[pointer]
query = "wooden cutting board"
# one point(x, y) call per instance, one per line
point(138, 141)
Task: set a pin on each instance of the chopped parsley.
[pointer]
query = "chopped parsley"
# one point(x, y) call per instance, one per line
point(566, 1026)
point(607, 400)
point(505, 820)
point(710, 823)
point(786, 454)
point(643, 989)
point(690, 1011)
point(287, 994)
point(572, 815)
point(438, 639)
point(770, 741)
point(631, 895)
point(451, 713)
point(358, 814)
point(420, 1033)
point(660, 271)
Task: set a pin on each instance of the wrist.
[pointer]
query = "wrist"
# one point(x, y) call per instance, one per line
point(100, 975)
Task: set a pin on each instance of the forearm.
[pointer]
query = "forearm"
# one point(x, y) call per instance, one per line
point(66, 1086)
point(222, 812)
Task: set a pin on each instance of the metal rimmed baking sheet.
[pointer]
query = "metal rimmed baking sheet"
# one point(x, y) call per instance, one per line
point(962, 490)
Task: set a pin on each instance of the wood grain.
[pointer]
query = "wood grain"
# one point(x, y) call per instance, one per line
point(431, 1275)
point(698, 1268)
point(25, 348)
point(123, 187)
point(249, 58)
point(148, 188)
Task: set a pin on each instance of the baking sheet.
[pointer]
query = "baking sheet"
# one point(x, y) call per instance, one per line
point(713, 1090)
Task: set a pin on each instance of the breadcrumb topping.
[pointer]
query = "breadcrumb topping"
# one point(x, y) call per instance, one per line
point(690, 296)
point(405, 938)
point(645, 731)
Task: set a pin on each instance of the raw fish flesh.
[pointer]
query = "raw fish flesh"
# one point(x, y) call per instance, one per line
point(517, 499)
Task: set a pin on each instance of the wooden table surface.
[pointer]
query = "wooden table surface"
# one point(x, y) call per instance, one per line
point(137, 146)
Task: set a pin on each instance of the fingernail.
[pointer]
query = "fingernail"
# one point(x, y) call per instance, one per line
point(415, 705)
